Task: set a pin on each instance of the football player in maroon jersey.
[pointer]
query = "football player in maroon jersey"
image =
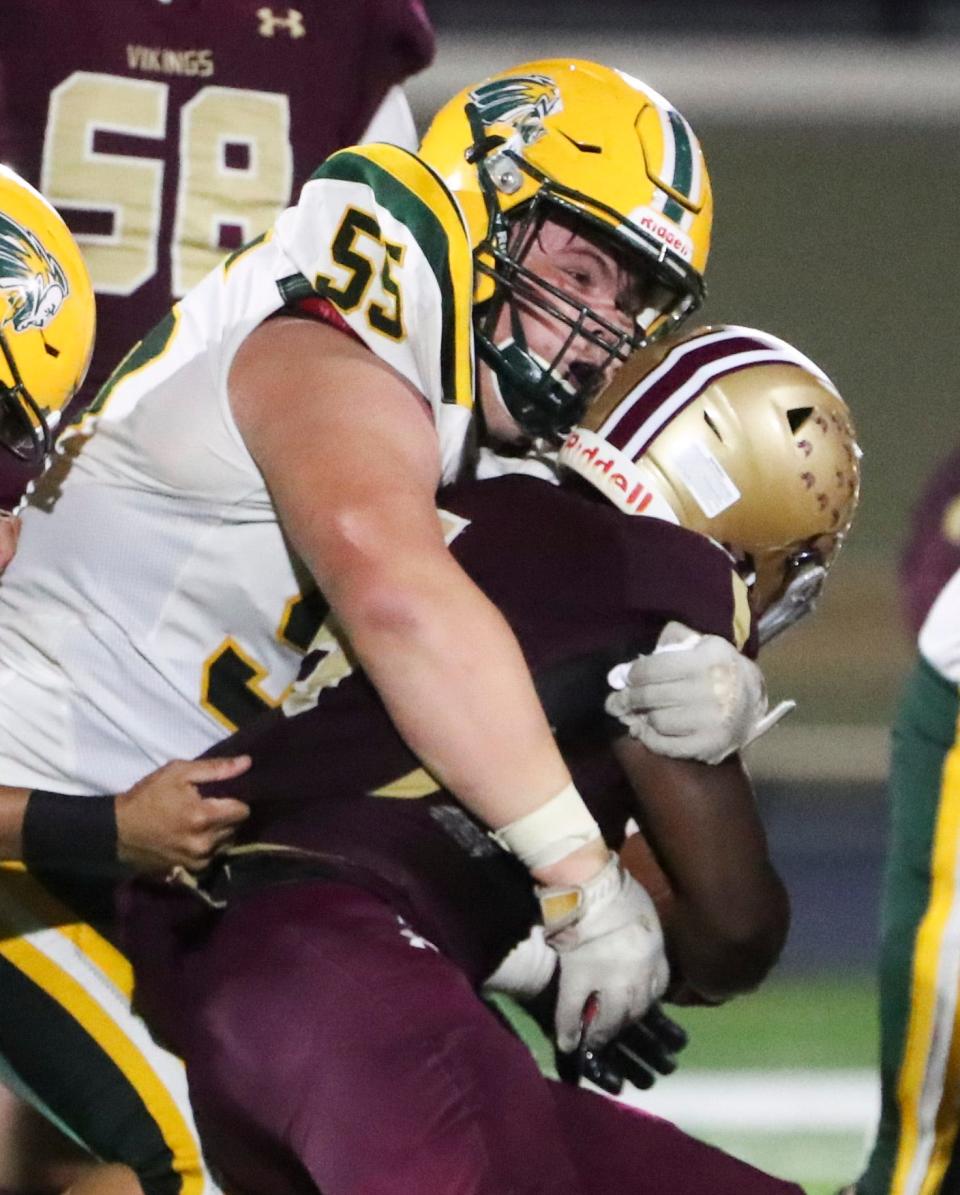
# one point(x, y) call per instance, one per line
point(931, 554)
point(327, 1011)
point(169, 132)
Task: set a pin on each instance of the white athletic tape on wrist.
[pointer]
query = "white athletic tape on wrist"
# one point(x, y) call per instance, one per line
point(562, 906)
point(550, 833)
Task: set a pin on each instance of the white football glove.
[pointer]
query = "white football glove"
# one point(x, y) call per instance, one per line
point(694, 697)
point(609, 939)
point(526, 970)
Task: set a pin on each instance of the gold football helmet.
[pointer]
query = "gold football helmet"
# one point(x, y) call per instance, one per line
point(735, 434)
point(47, 317)
point(606, 155)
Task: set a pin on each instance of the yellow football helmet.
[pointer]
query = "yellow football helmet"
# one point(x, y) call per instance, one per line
point(47, 318)
point(595, 148)
point(735, 434)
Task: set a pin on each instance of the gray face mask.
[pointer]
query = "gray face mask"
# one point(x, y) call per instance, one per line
point(798, 599)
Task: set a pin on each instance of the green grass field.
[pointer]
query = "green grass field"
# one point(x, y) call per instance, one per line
point(784, 1078)
point(828, 1022)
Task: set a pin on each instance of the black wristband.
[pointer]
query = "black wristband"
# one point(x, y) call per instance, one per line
point(77, 835)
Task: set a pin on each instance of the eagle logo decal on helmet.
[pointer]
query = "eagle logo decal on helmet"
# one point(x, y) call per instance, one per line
point(522, 102)
point(33, 284)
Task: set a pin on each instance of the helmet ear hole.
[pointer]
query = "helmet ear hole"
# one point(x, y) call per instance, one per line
point(713, 427)
point(797, 417)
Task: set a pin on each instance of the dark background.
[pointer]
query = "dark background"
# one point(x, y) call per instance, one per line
point(788, 17)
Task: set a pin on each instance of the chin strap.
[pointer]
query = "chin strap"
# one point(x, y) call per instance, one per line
point(483, 145)
point(23, 429)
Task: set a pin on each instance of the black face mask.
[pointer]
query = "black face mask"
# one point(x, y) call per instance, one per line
point(546, 398)
point(23, 429)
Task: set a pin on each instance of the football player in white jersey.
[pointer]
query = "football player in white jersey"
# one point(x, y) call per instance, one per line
point(291, 420)
point(46, 337)
point(47, 960)
point(293, 417)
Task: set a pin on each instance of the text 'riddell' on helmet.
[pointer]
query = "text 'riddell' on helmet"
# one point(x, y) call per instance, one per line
point(733, 433)
point(47, 319)
point(580, 143)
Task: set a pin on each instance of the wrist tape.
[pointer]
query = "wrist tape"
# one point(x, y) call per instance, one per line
point(72, 834)
point(550, 833)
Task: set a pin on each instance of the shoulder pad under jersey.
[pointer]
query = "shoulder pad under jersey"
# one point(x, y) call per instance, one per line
point(376, 231)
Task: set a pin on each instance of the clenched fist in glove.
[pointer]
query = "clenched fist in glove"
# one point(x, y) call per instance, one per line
point(643, 1050)
point(694, 697)
point(608, 936)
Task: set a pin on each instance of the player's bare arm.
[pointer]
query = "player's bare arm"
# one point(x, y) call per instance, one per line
point(352, 464)
point(159, 823)
point(351, 459)
point(727, 915)
point(9, 536)
point(13, 803)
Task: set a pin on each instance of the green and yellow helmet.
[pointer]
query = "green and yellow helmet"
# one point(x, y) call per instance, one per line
point(47, 319)
point(607, 154)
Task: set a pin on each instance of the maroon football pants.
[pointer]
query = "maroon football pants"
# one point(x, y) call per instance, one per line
point(331, 1048)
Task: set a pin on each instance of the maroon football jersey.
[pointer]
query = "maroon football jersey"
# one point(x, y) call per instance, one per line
point(932, 553)
point(168, 132)
point(583, 587)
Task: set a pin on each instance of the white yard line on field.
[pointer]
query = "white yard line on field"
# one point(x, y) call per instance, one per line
point(763, 1101)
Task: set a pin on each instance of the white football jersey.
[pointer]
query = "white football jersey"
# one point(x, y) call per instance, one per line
point(154, 603)
point(940, 634)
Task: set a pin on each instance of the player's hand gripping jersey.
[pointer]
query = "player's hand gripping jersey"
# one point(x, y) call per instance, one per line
point(336, 781)
point(194, 543)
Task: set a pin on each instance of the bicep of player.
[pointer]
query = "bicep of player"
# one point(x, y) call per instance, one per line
point(728, 917)
point(352, 463)
point(346, 446)
point(9, 537)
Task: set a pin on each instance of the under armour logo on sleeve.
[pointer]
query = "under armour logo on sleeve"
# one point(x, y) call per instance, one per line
point(270, 22)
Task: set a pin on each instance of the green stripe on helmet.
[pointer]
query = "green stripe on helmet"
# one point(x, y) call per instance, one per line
point(673, 210)
point(683, 154)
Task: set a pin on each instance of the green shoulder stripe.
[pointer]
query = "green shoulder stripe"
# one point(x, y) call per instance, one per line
point(153, 346)
point(413, 194)
point(238, 253)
